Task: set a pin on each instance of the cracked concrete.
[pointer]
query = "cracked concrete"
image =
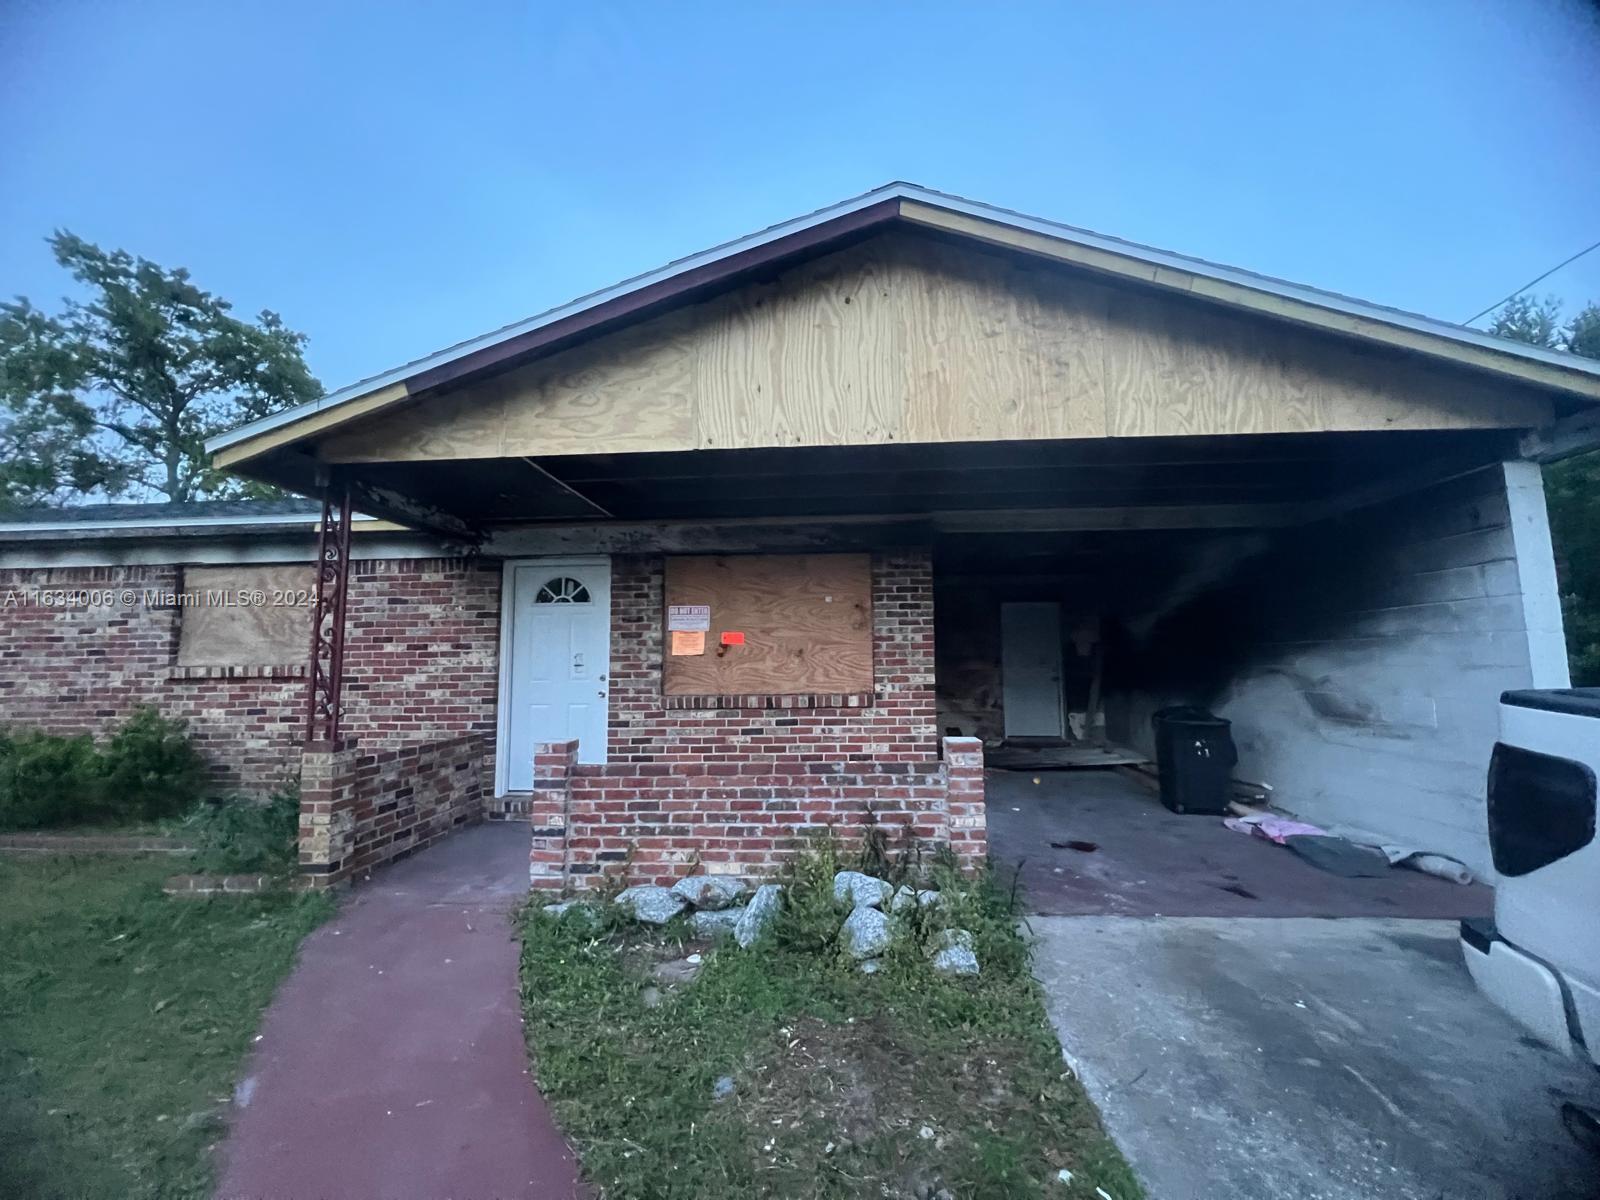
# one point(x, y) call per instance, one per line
point(1321, 1059)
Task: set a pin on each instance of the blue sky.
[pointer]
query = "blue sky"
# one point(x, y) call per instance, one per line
point(393, 178)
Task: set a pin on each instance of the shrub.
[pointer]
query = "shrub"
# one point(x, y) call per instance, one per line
point(239, 834)
point(148, 769)
point(46, 780)
point(151, 768)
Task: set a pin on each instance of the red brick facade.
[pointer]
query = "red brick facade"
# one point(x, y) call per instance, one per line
point(730, 789)
point(82, 668)
point(725, 786)
point(421, 663)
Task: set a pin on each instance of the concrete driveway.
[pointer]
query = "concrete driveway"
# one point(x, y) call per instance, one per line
point(1322, 1059)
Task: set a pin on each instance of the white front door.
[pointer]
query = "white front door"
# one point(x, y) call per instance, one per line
point(1030, 669)
point(557, 662)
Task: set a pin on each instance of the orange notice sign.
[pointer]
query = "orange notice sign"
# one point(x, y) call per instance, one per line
point(688, 641)
point(730, 638)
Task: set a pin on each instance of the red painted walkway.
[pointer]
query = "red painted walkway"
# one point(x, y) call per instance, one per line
point(391, 1063)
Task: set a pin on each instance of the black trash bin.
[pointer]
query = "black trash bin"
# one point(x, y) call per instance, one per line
point(1196, 757)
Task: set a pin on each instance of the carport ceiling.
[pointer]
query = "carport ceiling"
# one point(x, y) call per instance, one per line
point(1214, 473)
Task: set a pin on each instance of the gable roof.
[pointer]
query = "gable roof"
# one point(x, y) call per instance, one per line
point(1575, 376)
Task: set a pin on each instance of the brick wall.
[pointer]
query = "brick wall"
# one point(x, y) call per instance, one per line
point(590, 822)
point(730, 786)
point(360, 808)
point(898, 727)
point(422, 649)
point(421, 664)
point(732, 789)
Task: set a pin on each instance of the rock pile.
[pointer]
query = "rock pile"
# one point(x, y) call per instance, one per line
point(717, 908)
point(714, 899)
point(868, 931)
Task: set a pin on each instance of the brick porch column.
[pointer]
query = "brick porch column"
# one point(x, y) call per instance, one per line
point(327, 811)
point(553, 765)
point(969, 824)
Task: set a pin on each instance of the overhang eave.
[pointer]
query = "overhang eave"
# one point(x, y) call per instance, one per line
point(1237, 481)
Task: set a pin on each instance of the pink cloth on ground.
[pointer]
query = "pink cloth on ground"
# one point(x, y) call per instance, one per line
point(1274, 829)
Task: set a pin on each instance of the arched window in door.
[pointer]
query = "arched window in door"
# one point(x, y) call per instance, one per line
point(562, 590)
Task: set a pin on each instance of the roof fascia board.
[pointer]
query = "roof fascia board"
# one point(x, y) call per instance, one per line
point(281, 547)
point(314, 418)
point(1576, 434)
point(43, 530)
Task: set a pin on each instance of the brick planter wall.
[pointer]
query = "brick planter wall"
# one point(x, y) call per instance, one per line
point(553, 766)
point(360, 808)
point(421, 663)
point(590, 821)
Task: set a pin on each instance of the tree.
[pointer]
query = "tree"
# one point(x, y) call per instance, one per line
point(1572, 487)
point(121, 391)
point(47, 453)
point(1524, 319)
point(1583, 333)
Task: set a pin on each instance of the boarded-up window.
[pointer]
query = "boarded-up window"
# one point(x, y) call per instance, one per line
point(245, 616)
point(777, 625)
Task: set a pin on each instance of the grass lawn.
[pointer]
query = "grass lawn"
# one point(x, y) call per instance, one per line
point(124, 1018)
point(897, 1084)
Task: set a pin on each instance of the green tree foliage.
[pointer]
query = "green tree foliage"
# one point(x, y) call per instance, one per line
point(1572, 487)
point(47, 453)
point(1525, 319)
point(1583, 332)
point(120, 390)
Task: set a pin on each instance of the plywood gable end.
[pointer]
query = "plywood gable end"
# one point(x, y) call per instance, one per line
point(908, 338)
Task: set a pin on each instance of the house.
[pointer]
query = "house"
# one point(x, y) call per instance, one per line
point(778, 535)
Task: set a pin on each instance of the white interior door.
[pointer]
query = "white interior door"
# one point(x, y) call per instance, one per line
point(559, 662)
point(1030, 669)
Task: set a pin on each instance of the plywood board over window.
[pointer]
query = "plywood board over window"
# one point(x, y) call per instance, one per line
point(245, 616)
point(806, 621)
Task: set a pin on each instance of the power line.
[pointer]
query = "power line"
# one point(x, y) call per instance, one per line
point(1531, 282)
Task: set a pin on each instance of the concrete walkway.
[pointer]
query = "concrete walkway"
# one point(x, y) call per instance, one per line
point(391, 1063)
point(1325, 1060)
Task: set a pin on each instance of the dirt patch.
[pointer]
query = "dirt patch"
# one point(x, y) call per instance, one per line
point(857, 1101)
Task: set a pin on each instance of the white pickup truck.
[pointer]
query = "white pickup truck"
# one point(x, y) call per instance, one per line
point(1539, 959)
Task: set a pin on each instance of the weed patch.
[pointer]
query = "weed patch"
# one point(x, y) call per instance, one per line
point(242, 835)
point(898, 1084)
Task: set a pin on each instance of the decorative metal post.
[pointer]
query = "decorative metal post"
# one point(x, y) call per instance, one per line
point(327, 621)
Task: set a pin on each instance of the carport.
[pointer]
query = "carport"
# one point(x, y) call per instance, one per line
point(1352, 602)
point(1081, 480)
